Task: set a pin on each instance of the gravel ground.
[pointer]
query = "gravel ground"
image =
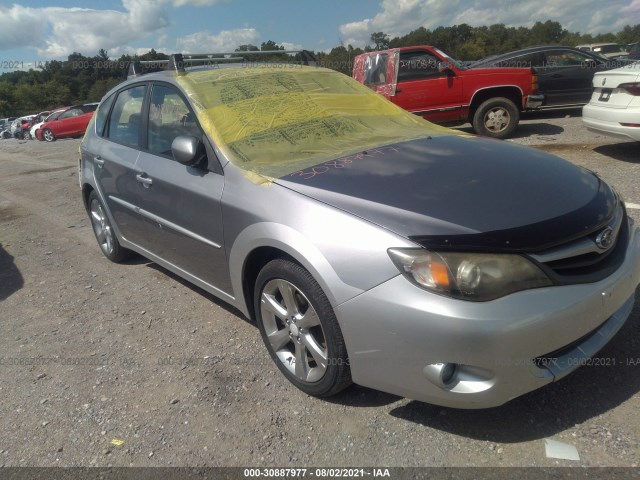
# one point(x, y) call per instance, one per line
point(92, 352)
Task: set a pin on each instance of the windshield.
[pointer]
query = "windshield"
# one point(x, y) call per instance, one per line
point(276, 120)
point(609, 49)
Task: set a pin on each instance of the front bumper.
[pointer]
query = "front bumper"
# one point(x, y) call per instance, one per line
point(606, 120)
point(397, 334)
point(534, 101)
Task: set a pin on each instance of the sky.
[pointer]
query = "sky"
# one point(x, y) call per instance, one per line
point(39, 30)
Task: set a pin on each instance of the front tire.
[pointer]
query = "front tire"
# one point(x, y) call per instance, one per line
point(102, 229)
point(48, 135)
point(300, 330)
point(497, 117)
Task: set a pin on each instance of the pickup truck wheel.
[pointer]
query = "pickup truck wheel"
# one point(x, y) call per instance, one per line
point(496, 117)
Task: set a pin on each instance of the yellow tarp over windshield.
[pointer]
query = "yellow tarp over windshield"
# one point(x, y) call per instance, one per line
point(275, 120)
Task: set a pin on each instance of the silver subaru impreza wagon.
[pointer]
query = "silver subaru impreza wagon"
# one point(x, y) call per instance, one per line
point(368, 245)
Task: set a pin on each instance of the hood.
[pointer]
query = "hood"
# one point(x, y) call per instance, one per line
point(463, 192)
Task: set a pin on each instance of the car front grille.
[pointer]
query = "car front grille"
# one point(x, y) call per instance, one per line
point(583, 260)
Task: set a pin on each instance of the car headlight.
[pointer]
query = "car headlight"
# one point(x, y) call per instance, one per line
point(468, 276)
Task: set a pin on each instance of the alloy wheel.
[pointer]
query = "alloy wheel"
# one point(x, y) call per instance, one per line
point(102, 227)
point(294, 331)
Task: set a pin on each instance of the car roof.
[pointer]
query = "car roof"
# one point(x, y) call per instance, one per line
point(524, 51)
point(597, 44)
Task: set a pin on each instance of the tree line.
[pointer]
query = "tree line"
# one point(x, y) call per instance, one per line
point(82, 79)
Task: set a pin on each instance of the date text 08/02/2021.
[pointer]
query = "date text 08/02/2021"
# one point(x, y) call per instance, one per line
point(316, 472)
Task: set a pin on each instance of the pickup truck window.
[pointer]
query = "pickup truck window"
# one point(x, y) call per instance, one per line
point(418, 66)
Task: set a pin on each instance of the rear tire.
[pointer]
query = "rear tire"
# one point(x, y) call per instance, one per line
point(102, 229)
point(497, 118)
point(48, 135)
point(300, 330)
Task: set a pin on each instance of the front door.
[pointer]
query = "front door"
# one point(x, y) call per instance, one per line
point(182, 202)
point(425, 90)
point(566, 77)
point(115, 162)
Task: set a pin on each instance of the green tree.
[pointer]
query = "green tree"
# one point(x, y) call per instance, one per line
point(7, 100)
point(380, 40)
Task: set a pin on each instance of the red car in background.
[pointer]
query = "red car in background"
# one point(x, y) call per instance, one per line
point(70, 122)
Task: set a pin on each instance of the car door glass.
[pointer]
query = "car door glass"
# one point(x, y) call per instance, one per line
point(169, 117)
point(124, 122)
point(418, 66)
point(523, 61)
point(101, 115)
point(74, 112)
point(566, 58)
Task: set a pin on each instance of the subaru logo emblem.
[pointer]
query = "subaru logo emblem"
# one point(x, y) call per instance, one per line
point(605, 238)
point(604, 80)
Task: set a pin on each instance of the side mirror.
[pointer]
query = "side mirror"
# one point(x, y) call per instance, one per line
point(444, 67)
point(187, 150)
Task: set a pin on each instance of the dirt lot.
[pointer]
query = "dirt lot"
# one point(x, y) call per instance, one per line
point(91, 351)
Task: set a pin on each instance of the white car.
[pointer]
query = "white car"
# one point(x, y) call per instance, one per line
point(608, 50)
point(614, 108)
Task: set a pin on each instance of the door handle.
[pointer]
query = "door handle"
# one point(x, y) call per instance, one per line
point(398, 90)
point(145, 181)
point(98, 161)
point(557, 75)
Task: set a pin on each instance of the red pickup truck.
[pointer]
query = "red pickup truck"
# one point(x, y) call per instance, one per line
point(429, 83)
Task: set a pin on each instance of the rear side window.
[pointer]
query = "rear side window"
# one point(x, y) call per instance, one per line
point(103, 113)
point(566, 58)
point(73, 112)
point(89, 107)
point(126, 116)
point(523, 61)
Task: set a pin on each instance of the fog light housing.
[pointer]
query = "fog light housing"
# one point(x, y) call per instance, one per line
point(440, 374)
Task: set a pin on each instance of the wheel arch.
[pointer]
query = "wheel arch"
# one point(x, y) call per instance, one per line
point(253, 264)
point(262, 242)
point(86, 191)
point(511, 92)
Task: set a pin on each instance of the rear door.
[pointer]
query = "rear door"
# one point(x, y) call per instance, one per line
point(566, 77)
point(182, 202)
point(118, 130)
point(425, 90)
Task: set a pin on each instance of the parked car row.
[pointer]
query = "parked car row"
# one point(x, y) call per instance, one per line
point(48, 126)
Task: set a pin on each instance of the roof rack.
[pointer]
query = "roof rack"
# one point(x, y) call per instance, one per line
point(178, 61)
